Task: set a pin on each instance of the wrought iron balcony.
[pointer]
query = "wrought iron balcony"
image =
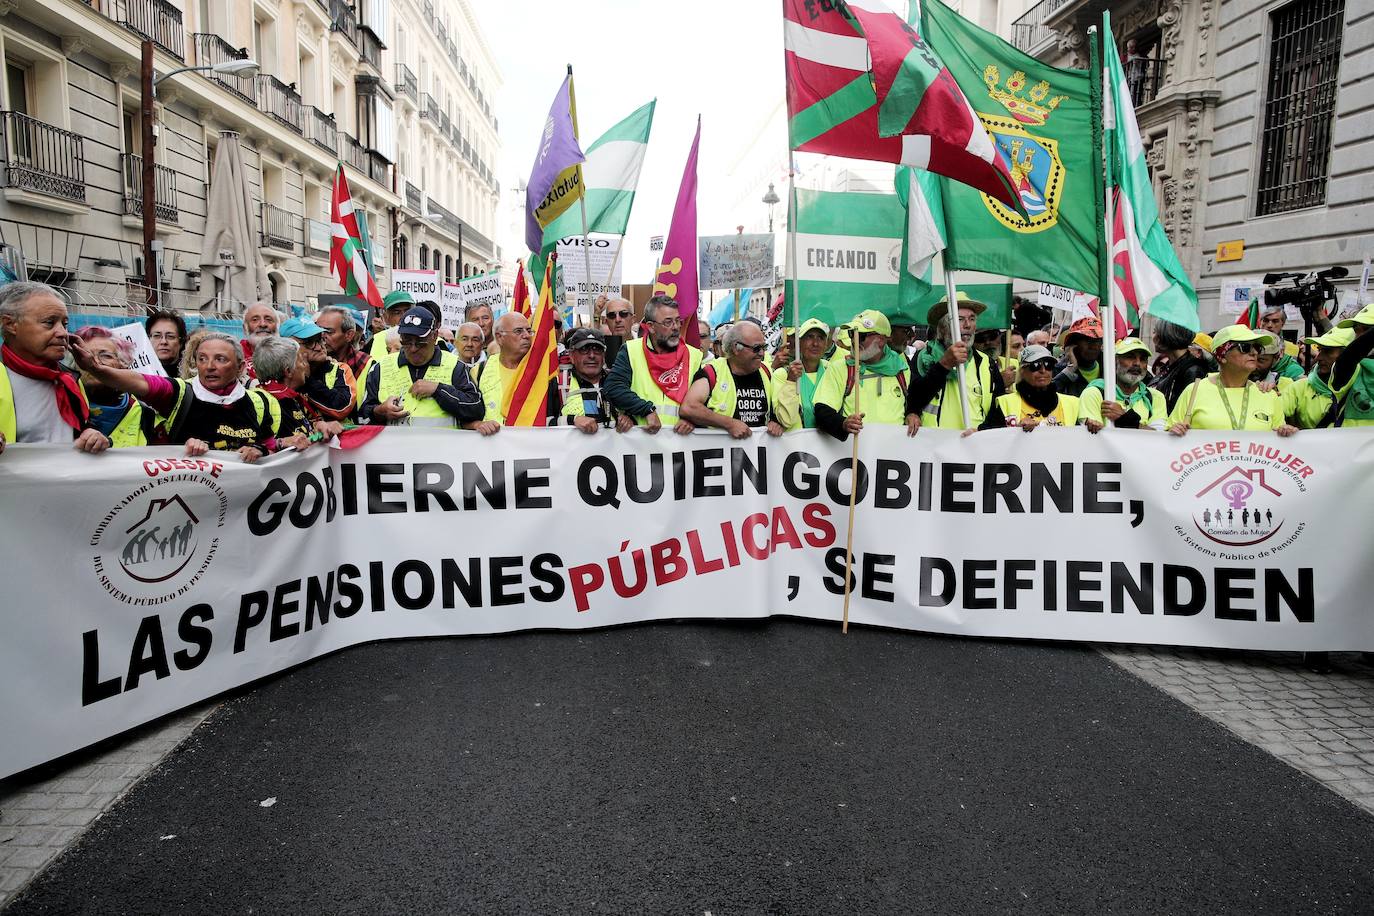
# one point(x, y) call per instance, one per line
point(429, 109)
point(43, 158)
point(156, 20)
point(280, 228)
point(370, 47)
point(281, 101)
point(406, 83)
point(211, 50)
point(320, 129)
point(343, 20)
point(414, 200)
point(444, 123)
point(165, 184)
point(354, 153)
point(378, 168)
point(1144, 75)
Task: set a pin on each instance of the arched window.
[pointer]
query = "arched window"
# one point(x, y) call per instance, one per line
point(424, 256)
point(448, 268)
point(436, 260)
point(398, 260)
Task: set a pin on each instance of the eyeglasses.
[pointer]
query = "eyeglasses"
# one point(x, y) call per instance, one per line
point(411, 342)
point(315, 343)
point(164, 335)
point(1041, 365)
point(668, 322)
point(618, 315)
point(757, 349)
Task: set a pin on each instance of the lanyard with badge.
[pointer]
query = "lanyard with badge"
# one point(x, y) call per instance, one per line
point(1244, 405)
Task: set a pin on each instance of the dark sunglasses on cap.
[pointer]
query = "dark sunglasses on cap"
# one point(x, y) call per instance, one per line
point(1046, 365)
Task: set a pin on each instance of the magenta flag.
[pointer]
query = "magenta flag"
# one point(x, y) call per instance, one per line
point(677, 275)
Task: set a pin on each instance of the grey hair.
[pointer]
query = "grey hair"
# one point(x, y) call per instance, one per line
point(733, 335)
point(1172, 336)
point(346, 322)
point(470, 324)
point(274, 357)
point(198, 339)
point(13, 296)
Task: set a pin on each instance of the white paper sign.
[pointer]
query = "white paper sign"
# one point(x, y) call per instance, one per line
point(422, 284)
point(452, 306)
point(145, 357)
point(655, 243)
point(735, 261)
point(1057, 297)
point(483, 289)
point(602, 254)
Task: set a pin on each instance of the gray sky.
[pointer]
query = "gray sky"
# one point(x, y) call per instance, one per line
point(723, 60)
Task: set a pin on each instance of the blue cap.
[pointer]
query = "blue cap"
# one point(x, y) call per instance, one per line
point(299, 328)
point(418, 322)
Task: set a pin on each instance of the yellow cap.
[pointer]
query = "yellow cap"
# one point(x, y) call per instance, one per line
point(1132, 345)
point(1363, 316)
point(1336, 337)
point(1239, 333)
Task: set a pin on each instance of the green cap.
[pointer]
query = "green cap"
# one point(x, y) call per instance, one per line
point(1132, 345)
point(1239, 333)
point(871, 321)
point(1364, 316)
point(397, 298)
point(1336, 337)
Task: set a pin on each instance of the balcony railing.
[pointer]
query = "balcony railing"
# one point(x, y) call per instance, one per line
point(343, 20)
point(281, 101)
point(413, 198)
point(370, 47)
point(165, 185)
point(428, 107)
point(211, 50)
point(280, 228)
point(43, 158)
point(378, 168)
point(315, 238)
point(406, 83)
point(354, 154)
point(444, 123)
point(157, 20)
point(320, 129)
point(1143, 77)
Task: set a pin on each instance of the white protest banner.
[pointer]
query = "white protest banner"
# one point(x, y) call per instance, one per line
point(483, 289)
point(605, 263)
point(144, 358)
point(1058, 297)
point(185, 577)
point(422, 284)
point(735, 261)
point(452, 305)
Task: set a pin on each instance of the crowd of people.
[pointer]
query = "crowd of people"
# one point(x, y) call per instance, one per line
point(291, 381)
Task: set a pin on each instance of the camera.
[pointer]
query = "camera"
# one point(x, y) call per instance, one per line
point(1309, 291)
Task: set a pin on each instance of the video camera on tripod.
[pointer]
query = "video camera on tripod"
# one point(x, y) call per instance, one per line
point(1308, 292)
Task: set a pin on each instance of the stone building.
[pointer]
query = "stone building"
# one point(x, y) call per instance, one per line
point(335, 84)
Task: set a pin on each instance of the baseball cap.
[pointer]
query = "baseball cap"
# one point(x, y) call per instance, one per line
point(581, 338)
point(1336, 337)
point(1203, 340)
point(1034, 353)
point(1239, 333)
point(418, 322)
point(1363, 316)
point(871, 321)
point(1132, 345)
point(299, 329)
point(1083, 327)
point(397, 298)
point(813, 324)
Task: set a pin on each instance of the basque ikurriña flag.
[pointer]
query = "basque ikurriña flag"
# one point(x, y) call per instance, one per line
point(346, 259)
point(862, 83)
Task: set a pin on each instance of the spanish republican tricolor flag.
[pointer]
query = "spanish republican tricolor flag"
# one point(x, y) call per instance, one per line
point(525, 400)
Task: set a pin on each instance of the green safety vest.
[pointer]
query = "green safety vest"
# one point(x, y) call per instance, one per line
point(883, 397)
point(9, 421)
point(1304, 404)
point(574, 403)
point(979, 397)
point(724, 396)
point(395, 381)
point(642, 384)
point(1357, 405)
point(490, 385)
point(135, 428)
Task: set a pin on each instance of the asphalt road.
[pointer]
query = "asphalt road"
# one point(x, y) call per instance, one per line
point(715, 768)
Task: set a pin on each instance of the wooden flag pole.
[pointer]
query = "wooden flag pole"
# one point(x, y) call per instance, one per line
point(853, 479)
point(952, 296)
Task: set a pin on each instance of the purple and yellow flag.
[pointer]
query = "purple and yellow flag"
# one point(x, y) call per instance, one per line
point(677, 275)
point(556, 179)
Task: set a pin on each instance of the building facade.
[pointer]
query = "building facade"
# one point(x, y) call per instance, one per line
point(331, 88)
point(1256, 121)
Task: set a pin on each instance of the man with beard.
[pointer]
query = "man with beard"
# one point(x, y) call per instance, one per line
point(580, 384)
point(260, 322)
point(933, 399)
point(1082, 344)
point(878, 376)
point(651, 375)
point(1135, 406)
point(1034, 402)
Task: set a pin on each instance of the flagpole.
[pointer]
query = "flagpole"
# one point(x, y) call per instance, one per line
point(952, 297)
point(582, 206)
point(792, 256)
point(853, 478)
point(1108, 292)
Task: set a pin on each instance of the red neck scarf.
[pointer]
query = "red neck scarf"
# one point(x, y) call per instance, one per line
point(282, 392)
point(71, 400)
point(670, 370)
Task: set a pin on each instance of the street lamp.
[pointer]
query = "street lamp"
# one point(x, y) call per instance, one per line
point(771, 199)
point(148, 80)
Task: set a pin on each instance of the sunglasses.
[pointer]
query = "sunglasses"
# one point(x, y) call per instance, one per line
point(617, 315)
point(1042, 365)
point(757, 349)
point(1248, 347)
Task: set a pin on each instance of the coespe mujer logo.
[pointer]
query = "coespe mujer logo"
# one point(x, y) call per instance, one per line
point(1244, 497)
point(157, 542)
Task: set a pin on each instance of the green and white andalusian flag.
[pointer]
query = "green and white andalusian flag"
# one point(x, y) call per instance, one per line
point(610, 175)
point(1147, 277)
point(847, 250)
point(922, 282)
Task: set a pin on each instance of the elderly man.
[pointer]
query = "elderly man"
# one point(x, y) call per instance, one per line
point(394, 306)
point(480, 315)
point(1307, 401)
point(1039, 338)
point(1035, 401)
point(341, 339)
point(260, 321)
point(618, 316)
point(40, 400)
point(875, 375)
point(933, 399)
point(422, 385)
point(329, 385)
point(469, 343)
point(584, 404)
point(496, 375)
point(1082, 344)
point(651, 375)
point(1272, 321)
point(1135, 406)
point(735, 392)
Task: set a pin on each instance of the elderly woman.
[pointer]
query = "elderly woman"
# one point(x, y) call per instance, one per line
point(795, 391)
point(1228, 399)
point(282, 369)
point(213, 410)
point(1035, 401)
point(1175, 367)
point(167, 334)
point(40, 400)
point(121, 417)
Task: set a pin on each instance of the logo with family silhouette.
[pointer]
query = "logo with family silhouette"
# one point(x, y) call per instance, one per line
point(1237, 509)
point(158, 541)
